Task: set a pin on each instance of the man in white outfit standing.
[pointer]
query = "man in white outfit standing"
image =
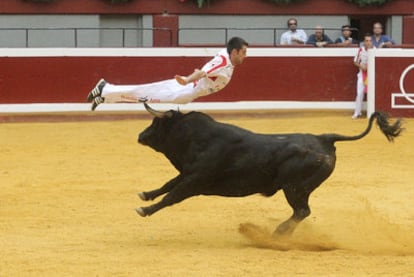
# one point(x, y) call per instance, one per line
point(211, 78)
point(361, 61)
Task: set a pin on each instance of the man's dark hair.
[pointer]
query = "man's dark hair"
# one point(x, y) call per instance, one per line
point(236, 43)
point(379, 23)
point(346, 26)
point(291, 19)
point(367, 35)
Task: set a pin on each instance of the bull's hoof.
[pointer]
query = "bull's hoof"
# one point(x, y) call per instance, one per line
point(280, 235)
point(142, 196)
point(285, 228)
point(141, 212)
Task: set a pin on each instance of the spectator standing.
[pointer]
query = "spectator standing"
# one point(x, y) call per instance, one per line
point(345, 39)
point(319, 38)
point(361, 61)
point(378, 39)
point(293, 35)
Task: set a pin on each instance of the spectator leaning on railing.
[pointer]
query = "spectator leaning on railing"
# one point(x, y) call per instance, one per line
point(345, 39)
point(293, 35)
point(319, 38)
point(378, 39)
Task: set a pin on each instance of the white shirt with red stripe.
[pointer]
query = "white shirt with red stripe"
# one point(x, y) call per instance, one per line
point(219, 71)
point(362, 56)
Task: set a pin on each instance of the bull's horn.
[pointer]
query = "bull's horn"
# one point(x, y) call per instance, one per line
point(153, 112)
point(157, 113)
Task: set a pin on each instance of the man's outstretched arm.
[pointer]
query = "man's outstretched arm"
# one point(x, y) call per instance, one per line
point(195, 76)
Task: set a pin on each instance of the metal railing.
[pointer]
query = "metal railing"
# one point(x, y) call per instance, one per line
point(30, 36)
point(131, 37)
point(225, 33)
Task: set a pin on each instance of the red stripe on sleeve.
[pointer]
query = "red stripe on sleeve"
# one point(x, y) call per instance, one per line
point(223, 63)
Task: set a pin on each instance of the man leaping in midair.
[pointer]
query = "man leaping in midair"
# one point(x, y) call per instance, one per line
point(211, 78)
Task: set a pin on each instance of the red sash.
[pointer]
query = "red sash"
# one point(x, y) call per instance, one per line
point(364, 73)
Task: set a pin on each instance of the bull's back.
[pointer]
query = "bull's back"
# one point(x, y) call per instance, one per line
point(234, 140)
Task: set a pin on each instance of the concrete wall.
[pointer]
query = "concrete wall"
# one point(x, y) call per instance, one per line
point(13, 35)
point(263, 29)
point(395, 27)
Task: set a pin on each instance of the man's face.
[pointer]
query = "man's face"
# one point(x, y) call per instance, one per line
point(292, 25)
point(346, 32)
point(377, 29)
point(367, 42)
point(237, 56)
point(319, 33)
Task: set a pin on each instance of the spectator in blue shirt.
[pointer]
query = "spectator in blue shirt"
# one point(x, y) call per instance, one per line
point(319, 39)
point(345, 39)
point(378, 39)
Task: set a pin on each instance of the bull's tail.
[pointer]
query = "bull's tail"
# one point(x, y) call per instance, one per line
point(390, 131)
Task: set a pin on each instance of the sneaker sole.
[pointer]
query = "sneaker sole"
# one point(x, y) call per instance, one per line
point(95, 104)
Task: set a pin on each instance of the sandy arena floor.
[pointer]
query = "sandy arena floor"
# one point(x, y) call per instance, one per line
point(68, 194)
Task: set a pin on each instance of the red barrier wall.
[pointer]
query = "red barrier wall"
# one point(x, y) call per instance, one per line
point(387, 77)
point(268, 74)
point(69, 79)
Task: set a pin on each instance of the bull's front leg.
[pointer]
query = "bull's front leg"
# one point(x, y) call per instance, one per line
point(182, 190)
point(151, 195)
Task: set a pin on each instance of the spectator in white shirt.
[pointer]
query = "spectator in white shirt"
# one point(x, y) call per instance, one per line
point(293, 35)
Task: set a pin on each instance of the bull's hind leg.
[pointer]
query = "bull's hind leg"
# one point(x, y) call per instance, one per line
point(298, 200)
point(151, 195)
point(297, 195)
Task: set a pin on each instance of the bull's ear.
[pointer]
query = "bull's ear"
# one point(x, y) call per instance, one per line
point(169, 114)
point(154, 112)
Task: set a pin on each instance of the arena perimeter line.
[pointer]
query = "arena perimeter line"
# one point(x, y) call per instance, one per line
point(206, 106)
point(173, 52)
point(141, 115)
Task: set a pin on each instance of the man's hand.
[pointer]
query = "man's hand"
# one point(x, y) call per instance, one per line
point(297, 41)
point(363, 67)
point(385, 44)
point(195, 76)
point(181, 80)
point(321, 43)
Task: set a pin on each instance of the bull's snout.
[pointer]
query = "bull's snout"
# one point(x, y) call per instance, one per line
point(145, 137)
point(141, 139)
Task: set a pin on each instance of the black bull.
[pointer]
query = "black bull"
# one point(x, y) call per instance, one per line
point(214, 158)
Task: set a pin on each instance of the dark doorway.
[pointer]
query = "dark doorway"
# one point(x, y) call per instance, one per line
point(364, 24)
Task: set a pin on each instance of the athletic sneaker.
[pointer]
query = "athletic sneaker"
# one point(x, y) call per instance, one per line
point(96, 101)
point(96, 91)
point(356, 116)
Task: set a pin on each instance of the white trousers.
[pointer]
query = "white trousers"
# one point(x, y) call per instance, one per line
point(360, 95)
point(168, 91)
